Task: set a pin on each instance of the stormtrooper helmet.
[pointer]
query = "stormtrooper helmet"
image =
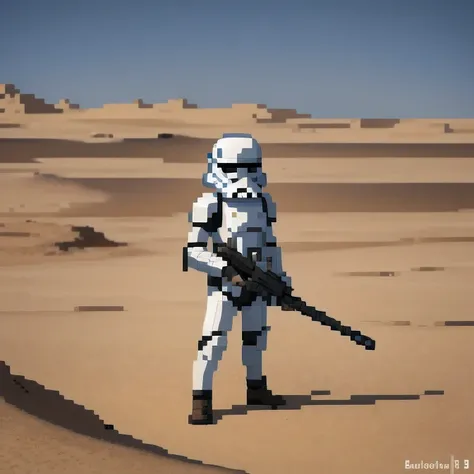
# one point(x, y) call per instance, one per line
point(235, 167)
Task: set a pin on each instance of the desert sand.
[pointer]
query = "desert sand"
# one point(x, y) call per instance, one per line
point(380, 235)
point(25, 115)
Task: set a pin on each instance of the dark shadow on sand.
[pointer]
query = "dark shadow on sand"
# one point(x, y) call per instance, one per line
point(182, 149)
point(51, 406)
point(297, 402)
point(143, 197)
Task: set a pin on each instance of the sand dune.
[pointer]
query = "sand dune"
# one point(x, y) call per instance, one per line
point(125, 356)
point(34, 118)
point(293, 170)
point(28, 242)
point(71, 437)
point(26, 193)
point(34, 241)
point(194, 150)
point(391, 259)
point(155, 197)
point(148, 197)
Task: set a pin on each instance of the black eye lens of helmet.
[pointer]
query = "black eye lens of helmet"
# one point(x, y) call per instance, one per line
point(233, 167)
point(228, 168)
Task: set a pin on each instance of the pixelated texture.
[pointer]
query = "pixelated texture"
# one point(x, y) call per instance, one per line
point(268, 283)
point(238, 214)
point(51, 406)
point(87, 237)
point(204, 215)
point(242, 152)
point(239, 219)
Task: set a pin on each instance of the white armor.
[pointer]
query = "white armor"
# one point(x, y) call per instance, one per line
point(241, 215)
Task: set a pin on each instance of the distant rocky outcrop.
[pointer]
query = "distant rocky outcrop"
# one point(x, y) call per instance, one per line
point(12, 101)
point(281, 115)
point(65, 105)
point(87, 237)
point(180, 111)
point(142, 105)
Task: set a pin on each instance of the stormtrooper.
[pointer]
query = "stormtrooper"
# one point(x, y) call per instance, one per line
point(238, 214)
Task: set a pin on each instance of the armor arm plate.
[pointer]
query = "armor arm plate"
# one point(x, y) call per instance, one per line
point(204, 218)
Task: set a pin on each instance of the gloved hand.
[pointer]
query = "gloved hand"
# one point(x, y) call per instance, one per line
point(231, 275)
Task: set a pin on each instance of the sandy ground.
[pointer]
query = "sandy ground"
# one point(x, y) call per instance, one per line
point(34, 445)
point(299, 170)
point(80, 125)
point(350, 411)
point(30, 195)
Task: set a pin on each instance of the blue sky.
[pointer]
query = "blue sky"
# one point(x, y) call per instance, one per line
point(334, 58)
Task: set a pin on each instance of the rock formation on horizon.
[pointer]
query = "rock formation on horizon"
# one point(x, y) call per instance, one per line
point(12, 101)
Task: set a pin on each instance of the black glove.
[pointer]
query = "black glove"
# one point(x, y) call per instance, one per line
point(230, 274)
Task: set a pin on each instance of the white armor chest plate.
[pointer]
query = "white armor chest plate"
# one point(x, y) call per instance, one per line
point(244, 227)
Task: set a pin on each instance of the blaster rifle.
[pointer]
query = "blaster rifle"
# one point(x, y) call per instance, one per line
point(267, 283)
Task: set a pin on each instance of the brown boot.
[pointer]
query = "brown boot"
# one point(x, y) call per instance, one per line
point(258, 394)
point(202, 408)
